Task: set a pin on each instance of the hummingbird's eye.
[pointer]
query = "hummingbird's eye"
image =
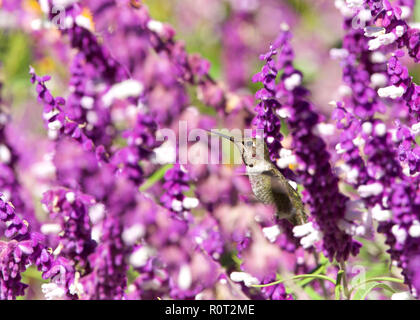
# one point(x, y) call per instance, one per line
point(251, 165)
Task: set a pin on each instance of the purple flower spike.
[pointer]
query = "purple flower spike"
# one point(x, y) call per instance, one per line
point(57, 121)
point(71, 207)
point(327, 207)
point(176, 183)
point(13, 261)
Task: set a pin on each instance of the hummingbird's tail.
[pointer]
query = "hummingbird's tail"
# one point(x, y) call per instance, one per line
point(298, 218)
point(295, 220)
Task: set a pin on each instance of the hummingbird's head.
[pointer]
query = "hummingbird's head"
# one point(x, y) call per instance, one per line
point(254, 151)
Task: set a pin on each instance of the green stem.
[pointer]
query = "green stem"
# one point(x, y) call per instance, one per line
point(382, 279)
point(338, 284)
point(300, 276)
point(375, 279)
point(320, 270)
point(345, 283)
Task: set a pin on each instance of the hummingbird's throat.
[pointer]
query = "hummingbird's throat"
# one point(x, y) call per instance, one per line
point(258, 167)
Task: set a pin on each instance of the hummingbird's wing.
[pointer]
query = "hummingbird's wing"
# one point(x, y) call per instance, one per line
point(287, 199)
point(280, 193)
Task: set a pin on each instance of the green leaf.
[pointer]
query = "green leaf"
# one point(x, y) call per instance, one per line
point(132, 275)
point(362, 293)
point(312, 293)
point(236, 259)
point(284, 129)
point(155, 177)
point(32, 273)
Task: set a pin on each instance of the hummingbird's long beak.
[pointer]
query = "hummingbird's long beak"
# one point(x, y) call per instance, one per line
point(231, 138)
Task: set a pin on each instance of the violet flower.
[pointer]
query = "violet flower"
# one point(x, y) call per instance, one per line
point(122, 29)
point(14, 256)
point(141, 140)
point(391, 195)
point(396, 29)
point(108, 280)
point(327, 204)
point(191, 69)
point(267, 120)
point(10, 184)
point(408, 154)
point(276, 292)
point(400, 79)
point(403, 230)
point(109, 261)
point(71, 207)
point(176, 183)
point(235, 50)
point(28, 248)
point(56, 119)
point(82, 38)
point(85, 105)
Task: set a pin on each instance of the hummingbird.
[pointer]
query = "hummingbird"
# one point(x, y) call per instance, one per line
point(267, 182)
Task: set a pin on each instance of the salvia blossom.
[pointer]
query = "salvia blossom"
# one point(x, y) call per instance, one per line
point(26, 248)
point(277, 292)
point(266, 118)
point(141, 140)
point(396, 29)
point(16, 227)
point(9, 182)
point(315, 170)
point(72, 209)
point(85, 105)
point(384, 187)
point(402, 230)
point(399, 78)
point(55, 117)
point(191, 69)
point(176, 183)
point(407, 153)
point(14, 256)
point(108, 279)
point(268, 121)
point(81, 37)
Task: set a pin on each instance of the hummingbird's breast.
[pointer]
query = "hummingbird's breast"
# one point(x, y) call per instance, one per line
point(261, 187)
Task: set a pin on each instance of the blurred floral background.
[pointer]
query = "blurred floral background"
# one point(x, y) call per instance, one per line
point(107, 218)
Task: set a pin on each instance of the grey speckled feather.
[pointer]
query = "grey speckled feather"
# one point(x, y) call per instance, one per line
point(280, 194)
